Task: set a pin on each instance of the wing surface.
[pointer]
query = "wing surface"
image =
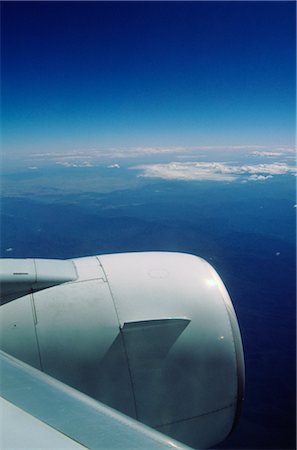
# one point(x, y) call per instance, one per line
point(18, 429)
point(38, 411)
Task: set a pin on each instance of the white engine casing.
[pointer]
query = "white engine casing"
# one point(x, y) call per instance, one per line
point(153, 335)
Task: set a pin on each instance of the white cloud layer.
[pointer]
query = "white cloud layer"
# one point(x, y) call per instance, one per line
point(72, 164)
point(213, 171)
point(97, 155)
point(259, 177)
point(269, 154)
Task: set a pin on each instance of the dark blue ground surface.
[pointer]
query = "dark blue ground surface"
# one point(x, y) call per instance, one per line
point(247, 231)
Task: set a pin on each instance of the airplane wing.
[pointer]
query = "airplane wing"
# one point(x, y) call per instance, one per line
point(37, 411)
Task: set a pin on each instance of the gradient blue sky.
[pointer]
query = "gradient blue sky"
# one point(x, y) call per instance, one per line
point(78, 75)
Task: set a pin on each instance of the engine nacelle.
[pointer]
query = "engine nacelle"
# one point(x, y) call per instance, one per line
point(153, 335)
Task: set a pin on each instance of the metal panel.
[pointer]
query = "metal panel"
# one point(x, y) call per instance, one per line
point(208, 428)
point(77, 416)
point(16, 278)
point(199, 374)
point(19, 277)
point(20, 430)
point(17, 270)
point(88, 268)
point(17, 330)
point(77, 330)
point(50, 272)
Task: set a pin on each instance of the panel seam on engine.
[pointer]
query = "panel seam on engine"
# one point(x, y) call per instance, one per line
point(122, 338)
point(197, 416)
point(35, 329)
point(101, 279)
point(111, 292)
point(240, 386)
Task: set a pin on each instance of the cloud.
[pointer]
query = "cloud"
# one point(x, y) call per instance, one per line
point(187, 171)
point(69, 164)
point(286, 153)
point(260, 177)
point(276, 168)
point(98, 156)
point(269, 154)
point(114, 166)
point(10, 249)
point(213, 171)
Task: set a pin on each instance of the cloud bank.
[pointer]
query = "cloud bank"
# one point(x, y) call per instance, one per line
point(72, 164)
point(95, 156)
point(213, 171)
point(269, 154)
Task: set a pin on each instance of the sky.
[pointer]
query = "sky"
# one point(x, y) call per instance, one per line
point(103, 75)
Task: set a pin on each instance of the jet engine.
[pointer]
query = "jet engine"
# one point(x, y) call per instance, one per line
point(153, 335)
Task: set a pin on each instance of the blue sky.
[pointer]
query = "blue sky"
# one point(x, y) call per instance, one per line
point(81, 75)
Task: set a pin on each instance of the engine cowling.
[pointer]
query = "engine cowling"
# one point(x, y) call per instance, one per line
point(153, 335)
